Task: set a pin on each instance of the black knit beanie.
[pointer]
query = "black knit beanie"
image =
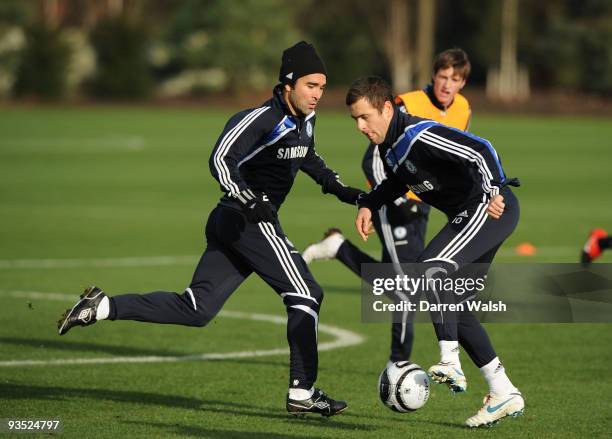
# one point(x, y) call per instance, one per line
point(300, 60)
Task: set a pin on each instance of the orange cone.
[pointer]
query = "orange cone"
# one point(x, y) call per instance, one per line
point(525, 249)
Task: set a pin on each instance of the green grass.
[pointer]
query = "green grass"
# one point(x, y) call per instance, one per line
point(117, 183)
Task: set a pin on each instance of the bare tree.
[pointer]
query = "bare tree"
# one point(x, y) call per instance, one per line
point(425, 40)
point(50, 13)
point(509, 82)
point(509, 65)
point(397, 45)
point(115, 7)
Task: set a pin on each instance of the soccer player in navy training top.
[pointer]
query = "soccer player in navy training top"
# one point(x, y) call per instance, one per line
point(401, 225)
point(255, 161)
point(461, 175)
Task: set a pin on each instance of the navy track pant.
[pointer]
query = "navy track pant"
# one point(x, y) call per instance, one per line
point(235, 249)
point(402, 242)
point(470, 236)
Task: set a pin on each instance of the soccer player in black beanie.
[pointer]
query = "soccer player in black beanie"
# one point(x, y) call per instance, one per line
point(255, 161)
point(300, 60)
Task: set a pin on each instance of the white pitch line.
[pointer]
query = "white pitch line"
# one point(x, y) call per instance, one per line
point(343, 338)
point(137, 261)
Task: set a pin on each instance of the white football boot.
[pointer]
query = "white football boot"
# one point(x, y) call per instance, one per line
point(449, 374)
point(497, 407)
point(327, 248)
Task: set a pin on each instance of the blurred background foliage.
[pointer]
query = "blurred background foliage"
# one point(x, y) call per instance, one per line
point(135, 49)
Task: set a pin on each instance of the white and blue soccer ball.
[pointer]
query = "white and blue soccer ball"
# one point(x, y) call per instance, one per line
point(403, 386)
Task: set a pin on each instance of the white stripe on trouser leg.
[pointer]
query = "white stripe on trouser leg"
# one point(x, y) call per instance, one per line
point(385, 225)
point(378, 170)
point(470, 236)
point(429, 275)
point(314, 315)
point(456, 245)
point(192, 297)
point(281, 260)
point(284, 257)
point(448, 261)
point(290, 267)
point(480, 216)
point(299, 295)
point(458, 239)
point(388, 238)
point(283, 248)
point(475, 223)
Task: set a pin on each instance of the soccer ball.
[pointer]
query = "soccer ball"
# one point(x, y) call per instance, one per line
point(403, 386)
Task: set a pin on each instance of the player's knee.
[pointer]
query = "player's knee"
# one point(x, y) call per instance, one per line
point(316, 292)
point(295, 300)
point(436, 268)
point(200, 318)
point(198, 315)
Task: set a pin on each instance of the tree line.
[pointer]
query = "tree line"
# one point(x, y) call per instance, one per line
point(139, 48)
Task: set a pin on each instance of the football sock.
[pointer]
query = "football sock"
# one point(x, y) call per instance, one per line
point(449, 351)
point(300, 394)
point(103, 309)
point(495, 375)
point(334, 242)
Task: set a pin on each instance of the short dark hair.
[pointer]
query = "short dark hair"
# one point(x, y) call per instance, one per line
point(455, 58)
point(374, 88)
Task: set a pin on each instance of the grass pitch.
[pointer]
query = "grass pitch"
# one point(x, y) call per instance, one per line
point(119, 197)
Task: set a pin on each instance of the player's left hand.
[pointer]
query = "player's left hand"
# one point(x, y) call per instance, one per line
point(363, 222)
point(496, 207)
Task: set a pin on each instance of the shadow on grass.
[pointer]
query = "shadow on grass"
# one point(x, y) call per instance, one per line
point(189, 430)
point(63, 345)
point(11, 391)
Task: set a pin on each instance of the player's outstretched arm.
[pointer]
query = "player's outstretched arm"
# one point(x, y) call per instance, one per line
point(330, 182)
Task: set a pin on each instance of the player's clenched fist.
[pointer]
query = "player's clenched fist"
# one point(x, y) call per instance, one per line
point(496, 207)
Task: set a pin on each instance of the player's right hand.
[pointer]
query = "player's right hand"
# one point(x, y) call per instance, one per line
point(256, 206)
point(363, 222)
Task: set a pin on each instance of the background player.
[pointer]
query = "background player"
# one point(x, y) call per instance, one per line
point(402, 224)
point(255, 161)
point(596, 244)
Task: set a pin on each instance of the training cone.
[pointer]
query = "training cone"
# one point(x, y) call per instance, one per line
point(525, 249)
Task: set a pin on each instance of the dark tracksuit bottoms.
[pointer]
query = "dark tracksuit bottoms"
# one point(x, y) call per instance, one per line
point(474, 239)
point(235, 249)
point(402, 242)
